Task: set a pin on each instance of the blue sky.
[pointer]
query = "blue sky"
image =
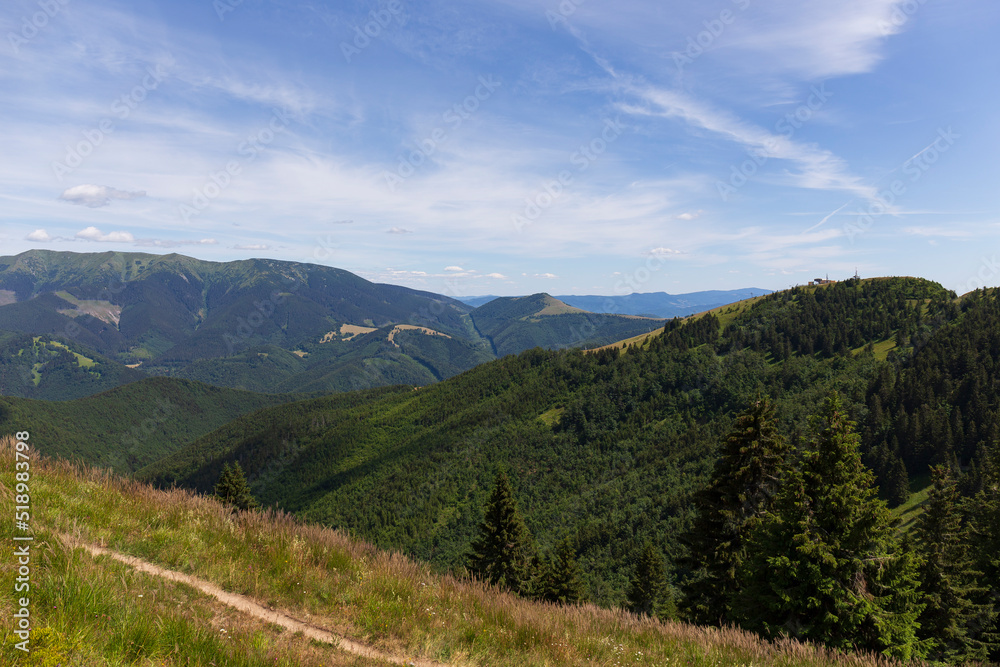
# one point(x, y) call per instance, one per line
point(514, 146)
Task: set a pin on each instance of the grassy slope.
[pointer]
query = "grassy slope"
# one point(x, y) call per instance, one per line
point(726, 314)
point(907, 513)
point(89, 611)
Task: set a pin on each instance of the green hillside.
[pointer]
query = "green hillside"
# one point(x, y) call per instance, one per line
point(131, 426)
point(605, 448)
point(49, 368)
point(365, 361)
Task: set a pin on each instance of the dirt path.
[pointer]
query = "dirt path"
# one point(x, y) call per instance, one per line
point(246, 605)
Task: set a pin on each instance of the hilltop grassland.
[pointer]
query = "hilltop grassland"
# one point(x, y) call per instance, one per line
point(89, 611)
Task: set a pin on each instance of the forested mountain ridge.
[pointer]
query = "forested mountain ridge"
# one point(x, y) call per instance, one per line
point(606, 448)
point(647, 304)
point(259, 324)
point(609, 454)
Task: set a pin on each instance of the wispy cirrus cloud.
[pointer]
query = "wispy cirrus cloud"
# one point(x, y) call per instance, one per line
point(818, 168)
point(816, 40)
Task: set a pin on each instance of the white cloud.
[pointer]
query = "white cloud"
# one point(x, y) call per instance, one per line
point(95, 234)
point(399, 230)
point(39, 235)
point(498, 276)
point(453, 268)
point(252, 246)
point(548, 276)
point(818, 40)
point(95, 196)
point(663, 252)
point(689, 216)
point(819, 169)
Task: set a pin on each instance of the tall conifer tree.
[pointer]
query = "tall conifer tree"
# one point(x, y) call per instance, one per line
point(565, 584)
point(955, 613)
point(984, 523)
point(648, 592)
point(232, 488)
point(502, 553)
point(746, 478)
point(826, 565)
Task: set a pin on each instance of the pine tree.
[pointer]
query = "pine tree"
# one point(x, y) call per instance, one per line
point(745, 479)
point(954, 612)
point(648, 592)
point(826, 565)
point(232, 488)
point(502, 553)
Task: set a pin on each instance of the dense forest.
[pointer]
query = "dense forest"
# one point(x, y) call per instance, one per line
point(606, 448)
point(611, 464)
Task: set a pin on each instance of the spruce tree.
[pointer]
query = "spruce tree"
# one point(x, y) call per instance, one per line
point(983, 511)
point(954, 613)
point(896, 489)
point(503, 551)
point(565, 585)
point(744, 482)
point(826, 565)
point(648, 592)
point(232, 488)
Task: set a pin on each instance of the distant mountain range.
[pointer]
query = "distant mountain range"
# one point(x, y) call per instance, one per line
point(649, 304)
point(72, 324)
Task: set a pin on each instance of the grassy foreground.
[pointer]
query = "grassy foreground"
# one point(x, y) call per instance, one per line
point(88, 611)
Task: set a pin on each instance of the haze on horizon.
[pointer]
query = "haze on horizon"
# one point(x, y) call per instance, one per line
point(511, 147)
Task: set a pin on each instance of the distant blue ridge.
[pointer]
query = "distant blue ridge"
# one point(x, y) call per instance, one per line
point(655, 304)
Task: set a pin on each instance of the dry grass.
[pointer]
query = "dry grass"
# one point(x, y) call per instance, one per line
point(351, 588)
